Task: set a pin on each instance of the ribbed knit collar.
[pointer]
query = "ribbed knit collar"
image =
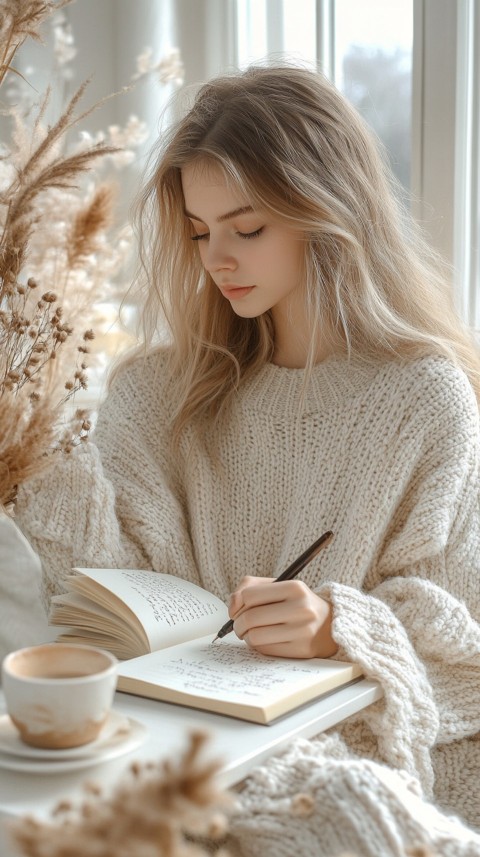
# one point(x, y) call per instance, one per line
point(332, 383)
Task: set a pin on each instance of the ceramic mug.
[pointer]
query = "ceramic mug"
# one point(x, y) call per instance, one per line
point(59, 695)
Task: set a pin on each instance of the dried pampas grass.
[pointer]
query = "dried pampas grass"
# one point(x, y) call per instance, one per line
point(60, 254)
point(19, 20)
point(165, 809)
point(90, 221)
point(35, 380)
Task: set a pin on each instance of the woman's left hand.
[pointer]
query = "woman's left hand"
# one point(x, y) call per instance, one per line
point(287, 620)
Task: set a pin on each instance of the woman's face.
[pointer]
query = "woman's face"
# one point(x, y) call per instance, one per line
point(256, 262)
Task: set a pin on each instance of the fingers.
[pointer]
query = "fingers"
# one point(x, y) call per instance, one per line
point(300, 649)
point(237, 601)
point(262, 592)
point(285, 620)
point(276, 619)
point(285, 641)
point(265, 593)
point(261, 617)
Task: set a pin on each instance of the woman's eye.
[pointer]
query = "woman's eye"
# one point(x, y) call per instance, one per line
point(254, 234)
point(203, 236)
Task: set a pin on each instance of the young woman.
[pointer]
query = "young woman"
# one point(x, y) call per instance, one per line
point(315, 378)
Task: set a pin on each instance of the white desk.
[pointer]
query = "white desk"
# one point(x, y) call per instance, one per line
point(237, 744)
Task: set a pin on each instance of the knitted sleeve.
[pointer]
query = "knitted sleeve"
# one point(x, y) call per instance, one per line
point(133, 436)
point(415, 626)
point(314, 798)
point(68, 515)
point(111, 503)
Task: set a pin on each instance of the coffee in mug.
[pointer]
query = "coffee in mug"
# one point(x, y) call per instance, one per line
point(59, 695)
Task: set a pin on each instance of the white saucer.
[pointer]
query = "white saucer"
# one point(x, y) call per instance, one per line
point(120, 735)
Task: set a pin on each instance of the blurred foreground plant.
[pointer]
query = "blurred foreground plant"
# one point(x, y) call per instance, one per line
point(160, 809)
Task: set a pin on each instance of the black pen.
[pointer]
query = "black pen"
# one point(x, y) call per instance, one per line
point(289, 573)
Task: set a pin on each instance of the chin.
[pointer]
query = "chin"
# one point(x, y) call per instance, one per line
point(244, 313)
point(244, 310)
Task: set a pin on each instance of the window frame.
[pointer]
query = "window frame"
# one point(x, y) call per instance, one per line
point(445, 144)
point(445, 139)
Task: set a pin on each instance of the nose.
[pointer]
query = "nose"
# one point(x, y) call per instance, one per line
point(216, 257)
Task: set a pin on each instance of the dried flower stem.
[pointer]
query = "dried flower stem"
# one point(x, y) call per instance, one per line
point(88, 223)
point(34, 178)
point(58, 259)
point(22, 19)
point(33, 329)
point(161, 810)
point(29, 431)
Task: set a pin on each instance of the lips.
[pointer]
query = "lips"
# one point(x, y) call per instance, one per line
point(235, 292)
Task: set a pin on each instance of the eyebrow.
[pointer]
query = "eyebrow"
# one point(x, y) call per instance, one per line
point(244, 209)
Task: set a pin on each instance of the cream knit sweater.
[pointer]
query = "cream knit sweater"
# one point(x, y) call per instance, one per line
point(385, 455)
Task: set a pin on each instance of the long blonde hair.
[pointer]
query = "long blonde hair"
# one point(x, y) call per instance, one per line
point(299, 151)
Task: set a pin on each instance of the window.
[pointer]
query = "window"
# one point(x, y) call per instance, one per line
point(466, 168)
point(365, 48)
point(373, 43)
point(412, 68)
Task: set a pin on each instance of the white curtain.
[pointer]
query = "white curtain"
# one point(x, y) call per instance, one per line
point(111, 34)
